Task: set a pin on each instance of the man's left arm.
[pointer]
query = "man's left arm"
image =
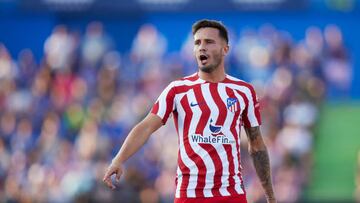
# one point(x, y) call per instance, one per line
point(260, 158)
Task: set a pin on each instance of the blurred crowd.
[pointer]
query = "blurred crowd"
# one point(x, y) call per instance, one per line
point(64, 117)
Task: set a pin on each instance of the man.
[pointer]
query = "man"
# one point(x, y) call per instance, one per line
point(209, 108)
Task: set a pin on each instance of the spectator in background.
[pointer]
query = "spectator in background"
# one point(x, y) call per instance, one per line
point(337, 68)
point(96, 43)
point(27, 68)
point(148, 48)
point(8, 67)
point(23, 140)
point(59, 49)
point(149, 45)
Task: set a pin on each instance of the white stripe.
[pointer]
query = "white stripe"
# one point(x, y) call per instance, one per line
point(219, 147)
point(228, 121)
point(186, 160)
point(187, 82)
point(237, 179)
point(210, 168)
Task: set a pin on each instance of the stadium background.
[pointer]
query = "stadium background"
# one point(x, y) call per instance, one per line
point(75, 76)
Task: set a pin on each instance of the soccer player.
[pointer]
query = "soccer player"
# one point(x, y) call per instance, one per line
point(209, 108)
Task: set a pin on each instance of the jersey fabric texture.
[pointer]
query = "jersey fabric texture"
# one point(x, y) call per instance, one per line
point(208, 118)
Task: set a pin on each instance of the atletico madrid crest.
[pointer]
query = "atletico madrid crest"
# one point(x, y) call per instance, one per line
point(232, 104)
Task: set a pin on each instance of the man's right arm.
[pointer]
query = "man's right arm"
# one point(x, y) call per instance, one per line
point(134, 141)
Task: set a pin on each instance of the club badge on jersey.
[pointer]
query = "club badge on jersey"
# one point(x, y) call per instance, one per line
point(232, 104)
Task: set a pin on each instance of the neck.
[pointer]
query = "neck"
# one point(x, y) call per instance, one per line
point(217, 75)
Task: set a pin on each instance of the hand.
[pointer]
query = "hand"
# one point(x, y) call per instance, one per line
point(114, 168)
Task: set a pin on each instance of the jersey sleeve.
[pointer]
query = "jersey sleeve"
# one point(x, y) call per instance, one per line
point(165, 104)
point(251, 116)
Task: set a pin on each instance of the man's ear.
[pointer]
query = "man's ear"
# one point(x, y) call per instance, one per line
point(226, 49)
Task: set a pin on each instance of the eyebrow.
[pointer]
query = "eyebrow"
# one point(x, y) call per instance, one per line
point(206, 39)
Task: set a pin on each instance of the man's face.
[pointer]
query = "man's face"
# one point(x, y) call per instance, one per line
point(209, 49)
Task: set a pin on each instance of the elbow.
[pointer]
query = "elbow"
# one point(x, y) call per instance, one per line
point(253, 148)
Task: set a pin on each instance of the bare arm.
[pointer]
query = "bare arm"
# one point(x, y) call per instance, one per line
point(260, 157)
point(133, 142)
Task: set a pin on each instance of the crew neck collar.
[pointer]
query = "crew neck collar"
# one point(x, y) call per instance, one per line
point(205, 81)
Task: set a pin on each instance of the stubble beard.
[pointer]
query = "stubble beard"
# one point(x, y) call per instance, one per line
point(207, 69)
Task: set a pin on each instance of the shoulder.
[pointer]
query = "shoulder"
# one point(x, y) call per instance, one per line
point(187, 80)
point(192, 77)
point(184, 84)
point(238, 82)
point(242, 86)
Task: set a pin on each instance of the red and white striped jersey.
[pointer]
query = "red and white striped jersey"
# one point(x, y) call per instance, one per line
point(208, 118)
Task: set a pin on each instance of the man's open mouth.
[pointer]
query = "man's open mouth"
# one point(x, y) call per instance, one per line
point(203, 58)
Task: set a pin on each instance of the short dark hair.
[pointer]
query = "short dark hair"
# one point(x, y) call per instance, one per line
point(213, 24)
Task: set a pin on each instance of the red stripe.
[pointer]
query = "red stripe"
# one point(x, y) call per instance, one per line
point(231, 187)
point(183, 88)
point(155, 108)
point(253, 95)
point(208, 147)
point(176, 122)
point(231, 94)
point(221, 120)
point(190, 152)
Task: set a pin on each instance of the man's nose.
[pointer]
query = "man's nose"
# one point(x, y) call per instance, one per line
point(202, 47)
